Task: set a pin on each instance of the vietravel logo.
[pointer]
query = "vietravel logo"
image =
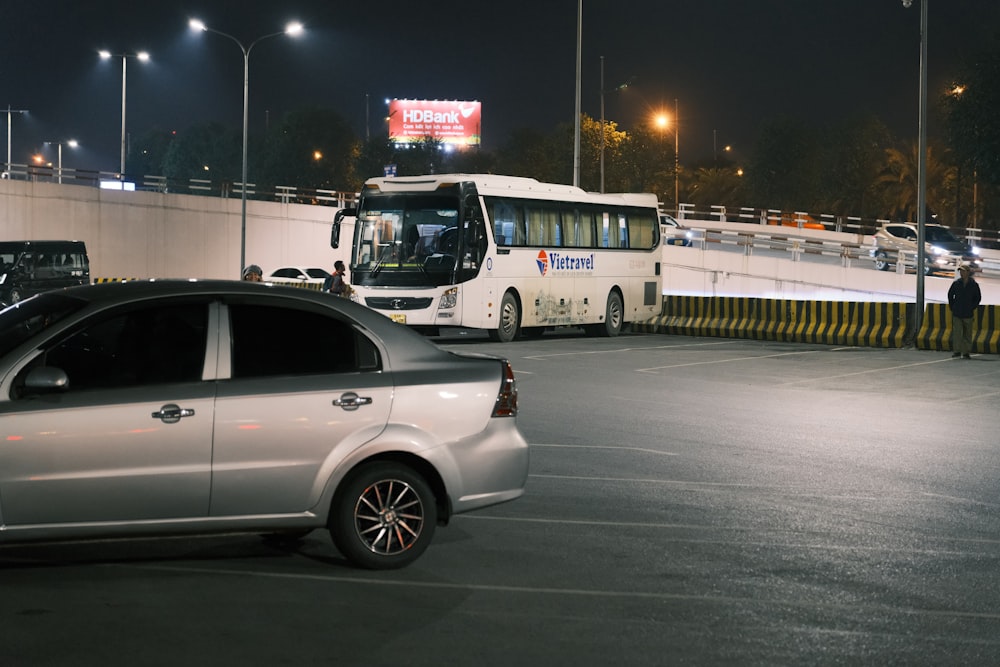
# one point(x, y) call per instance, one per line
point(551, 262)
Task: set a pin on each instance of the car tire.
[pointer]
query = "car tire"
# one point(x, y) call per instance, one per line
point(510, 320)
point(383, 516)
point(614, 317)
point(881, 261)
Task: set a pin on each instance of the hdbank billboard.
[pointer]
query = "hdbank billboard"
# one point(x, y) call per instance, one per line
point(451, 122)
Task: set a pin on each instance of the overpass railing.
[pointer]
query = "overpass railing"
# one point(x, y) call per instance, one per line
point(850, 249)
point(800, 220)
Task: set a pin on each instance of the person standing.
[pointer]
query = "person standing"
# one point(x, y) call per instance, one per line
point(337, 283)
point(963, 299)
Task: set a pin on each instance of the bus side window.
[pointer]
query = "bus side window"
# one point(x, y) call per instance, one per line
point(642, 230)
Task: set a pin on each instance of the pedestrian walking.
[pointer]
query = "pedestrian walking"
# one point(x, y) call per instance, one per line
point(963, 300)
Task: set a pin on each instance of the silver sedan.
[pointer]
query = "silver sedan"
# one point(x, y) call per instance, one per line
point(190, 407)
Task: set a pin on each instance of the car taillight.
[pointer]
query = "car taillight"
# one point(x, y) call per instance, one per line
point(506, 405)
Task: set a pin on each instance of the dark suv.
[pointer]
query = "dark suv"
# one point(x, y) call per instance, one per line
point(30, 267)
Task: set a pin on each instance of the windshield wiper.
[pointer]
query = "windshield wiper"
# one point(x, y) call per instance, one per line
point(387, 250)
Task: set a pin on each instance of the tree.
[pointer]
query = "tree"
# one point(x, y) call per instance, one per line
point(898, 182)
point(207, 150)
point(784, 172)
point(313, 148)
point(973, 124)
point(147, 153)
point(716, 186)
point(854, 156)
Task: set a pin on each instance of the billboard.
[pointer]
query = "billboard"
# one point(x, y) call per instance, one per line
point(448, 121)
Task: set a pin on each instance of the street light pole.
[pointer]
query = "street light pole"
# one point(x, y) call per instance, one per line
point(677, 161)
point(72, 143)
point(9, 112)
point(143, 57)
point(291, 29)
point(921, 171)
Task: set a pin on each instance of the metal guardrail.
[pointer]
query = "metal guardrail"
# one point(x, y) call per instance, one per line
point(799, 220)
point(800, 244)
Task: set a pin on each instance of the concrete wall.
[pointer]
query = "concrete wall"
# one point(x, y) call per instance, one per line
point(162, 235)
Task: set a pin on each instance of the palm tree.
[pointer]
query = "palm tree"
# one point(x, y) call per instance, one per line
point(898, 182)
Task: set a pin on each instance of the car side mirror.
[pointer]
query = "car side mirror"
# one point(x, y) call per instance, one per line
point(46, 378)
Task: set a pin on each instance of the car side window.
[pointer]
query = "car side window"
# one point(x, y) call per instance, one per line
point(142, 346)
point(275, 340)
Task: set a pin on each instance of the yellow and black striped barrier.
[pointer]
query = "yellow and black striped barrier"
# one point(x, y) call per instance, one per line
point(829, 322)
point(935, 329)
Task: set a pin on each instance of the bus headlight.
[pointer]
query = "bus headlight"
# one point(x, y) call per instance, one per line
point(449, 299)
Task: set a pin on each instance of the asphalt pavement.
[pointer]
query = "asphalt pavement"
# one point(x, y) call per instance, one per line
point(690, 501)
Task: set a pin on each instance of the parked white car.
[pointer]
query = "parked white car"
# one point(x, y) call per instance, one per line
point(299, 275)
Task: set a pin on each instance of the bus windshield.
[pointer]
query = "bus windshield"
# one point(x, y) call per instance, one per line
point(406, 240)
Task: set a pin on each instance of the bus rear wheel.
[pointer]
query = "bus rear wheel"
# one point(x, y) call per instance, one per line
point(614, 316)
point(510, 320)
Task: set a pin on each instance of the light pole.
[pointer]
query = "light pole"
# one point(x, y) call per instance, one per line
point(291, 29)
point(9, 112)
point(603, 132)
point(921, 169)
point(677, 159)
point(579, 86)
point(141, 56)
point(72, 143)
point(663, 121)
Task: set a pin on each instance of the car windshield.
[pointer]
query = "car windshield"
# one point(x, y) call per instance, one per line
point(21, 320)
point(940, 235)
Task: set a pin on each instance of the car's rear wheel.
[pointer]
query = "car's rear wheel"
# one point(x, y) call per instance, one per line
point(383, 517)
point(510, 320)
point(881, 261)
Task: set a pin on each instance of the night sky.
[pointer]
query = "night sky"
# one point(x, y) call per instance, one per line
point(730, 64)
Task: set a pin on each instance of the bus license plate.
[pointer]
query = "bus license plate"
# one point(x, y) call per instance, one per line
point(398, 317)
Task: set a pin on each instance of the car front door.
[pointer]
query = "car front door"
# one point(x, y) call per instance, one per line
point(129, 439)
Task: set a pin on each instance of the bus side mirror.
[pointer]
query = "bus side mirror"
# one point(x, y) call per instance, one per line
point(335, 228)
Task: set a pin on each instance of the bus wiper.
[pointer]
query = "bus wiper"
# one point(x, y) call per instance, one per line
point(385, 254)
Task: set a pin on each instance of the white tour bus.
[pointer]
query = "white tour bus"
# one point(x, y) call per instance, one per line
point(505, 254)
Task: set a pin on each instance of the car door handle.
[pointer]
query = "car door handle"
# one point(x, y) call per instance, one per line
point(171, 413)
point(351, 401)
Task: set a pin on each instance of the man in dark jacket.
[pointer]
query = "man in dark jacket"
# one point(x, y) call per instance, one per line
point(963, 299)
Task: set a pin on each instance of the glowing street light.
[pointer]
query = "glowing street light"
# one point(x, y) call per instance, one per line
point(663, 122)
point(72, 143)
point(293, 29)
point(141, 56)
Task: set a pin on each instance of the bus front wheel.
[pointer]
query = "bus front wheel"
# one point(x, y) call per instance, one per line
point(510, 320)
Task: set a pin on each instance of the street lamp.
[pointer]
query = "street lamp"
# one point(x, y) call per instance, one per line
point(141, 56)
point(603, 133)
point(292, 29)
point(921, 169)
point(72, 143)
point(663, 121)
point(9, 112)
